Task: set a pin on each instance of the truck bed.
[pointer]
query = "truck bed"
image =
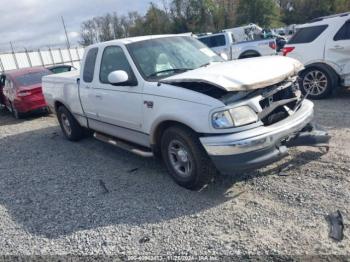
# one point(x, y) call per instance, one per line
point(63, 88)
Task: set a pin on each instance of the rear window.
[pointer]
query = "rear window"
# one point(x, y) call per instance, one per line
point(307, 34)
point(31, 78)
point(343, 33)
point(213, 41)
point(89, 68)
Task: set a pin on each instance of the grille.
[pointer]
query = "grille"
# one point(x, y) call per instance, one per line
point(279, 102)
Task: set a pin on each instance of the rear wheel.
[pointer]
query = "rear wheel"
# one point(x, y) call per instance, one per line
point(14, 111)
point(186, 159)
point(69, 125)
point(318, 82)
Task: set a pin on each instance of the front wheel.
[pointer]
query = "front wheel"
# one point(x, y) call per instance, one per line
point(69, 125)
point(186, 159)
point(318, 83)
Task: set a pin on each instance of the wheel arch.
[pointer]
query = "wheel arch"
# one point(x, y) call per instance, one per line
point(158, 130)
point(249, 53)
point(321, 65)
point(58, 104)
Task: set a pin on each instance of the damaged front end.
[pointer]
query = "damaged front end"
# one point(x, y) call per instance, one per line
point(285, 118)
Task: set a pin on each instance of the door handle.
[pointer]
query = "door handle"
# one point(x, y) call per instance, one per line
point(338, 47)
point(99, 96)
point(87, 87)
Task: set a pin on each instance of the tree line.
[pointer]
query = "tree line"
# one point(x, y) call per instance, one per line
point(197, 16)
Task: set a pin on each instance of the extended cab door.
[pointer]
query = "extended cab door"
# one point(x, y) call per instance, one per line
point(338, 49)
point(87, 82)
point(119, 106)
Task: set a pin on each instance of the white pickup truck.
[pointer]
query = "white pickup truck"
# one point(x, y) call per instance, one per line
point(224, 43)
point(171, 96)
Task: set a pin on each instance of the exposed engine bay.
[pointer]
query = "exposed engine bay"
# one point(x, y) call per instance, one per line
point(277, 101)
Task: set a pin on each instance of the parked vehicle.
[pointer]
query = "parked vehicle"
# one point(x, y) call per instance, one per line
point(225, 45)
point(2, 84)
point(22, 90)
point(323, 46)
point(242, 42)
point(171, 96)
point(57, 69)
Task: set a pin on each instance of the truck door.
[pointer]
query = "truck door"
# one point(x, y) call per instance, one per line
point(86, 91)
point(338, 49)
point(118, 105)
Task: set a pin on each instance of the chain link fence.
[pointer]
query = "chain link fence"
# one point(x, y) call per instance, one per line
point(50, 57)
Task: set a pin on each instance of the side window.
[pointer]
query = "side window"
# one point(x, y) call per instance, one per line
point(205, 40)
point(114, 59)
point(59, 70)
point(343, 33)
point(307, 34)
point(219, 40)
point(89, 68)
point(214, 41)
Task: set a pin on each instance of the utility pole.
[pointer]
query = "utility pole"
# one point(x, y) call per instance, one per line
point(65, 31)
point(12, 49)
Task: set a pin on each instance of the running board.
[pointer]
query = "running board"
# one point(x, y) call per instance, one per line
point(138, 150)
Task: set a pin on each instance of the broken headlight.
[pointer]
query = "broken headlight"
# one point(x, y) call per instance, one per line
point(236, 117)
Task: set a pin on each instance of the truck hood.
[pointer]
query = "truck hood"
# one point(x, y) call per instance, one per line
point(241, 75)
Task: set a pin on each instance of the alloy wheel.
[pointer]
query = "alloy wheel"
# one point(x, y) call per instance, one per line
point(315, 82)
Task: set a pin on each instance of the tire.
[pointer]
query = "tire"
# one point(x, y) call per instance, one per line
point(15, 112)
point(69, 125)
point(318, 82)
point(195, 169)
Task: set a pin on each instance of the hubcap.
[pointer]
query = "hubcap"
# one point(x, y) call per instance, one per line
point(66, 124)
point(180, 158)
point(315, 82)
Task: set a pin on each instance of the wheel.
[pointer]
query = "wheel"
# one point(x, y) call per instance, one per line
point(47, 111)
point(318, 82)
point(70, 127)
point(14, 111)
point(186, 159)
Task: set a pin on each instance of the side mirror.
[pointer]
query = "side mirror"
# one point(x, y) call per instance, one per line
point(118, 77)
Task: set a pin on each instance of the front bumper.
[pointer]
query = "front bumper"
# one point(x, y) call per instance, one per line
point(262, 146)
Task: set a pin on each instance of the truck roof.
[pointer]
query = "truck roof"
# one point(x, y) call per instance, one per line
point(326, 19)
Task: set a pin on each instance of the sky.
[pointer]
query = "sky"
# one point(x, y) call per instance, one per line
point(37, 23)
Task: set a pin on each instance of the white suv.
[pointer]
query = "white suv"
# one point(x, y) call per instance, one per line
point(323, 46)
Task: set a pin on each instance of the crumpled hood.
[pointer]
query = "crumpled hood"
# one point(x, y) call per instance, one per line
point(242, 75)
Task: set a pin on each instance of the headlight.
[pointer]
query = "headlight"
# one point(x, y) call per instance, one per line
point(243, 115)
point(222, 120)
point(235, 117)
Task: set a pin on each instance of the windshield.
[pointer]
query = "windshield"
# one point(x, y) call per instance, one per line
point(31, 78)
point(163, 57)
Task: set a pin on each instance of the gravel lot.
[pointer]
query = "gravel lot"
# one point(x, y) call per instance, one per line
point(89, 198)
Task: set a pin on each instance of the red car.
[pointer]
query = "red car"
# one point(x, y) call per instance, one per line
point(22, 91)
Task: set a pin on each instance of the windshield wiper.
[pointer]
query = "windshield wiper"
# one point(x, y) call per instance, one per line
point(205, 65)
point(175, 70)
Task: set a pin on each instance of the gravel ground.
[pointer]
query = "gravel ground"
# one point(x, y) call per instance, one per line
point(89, 198)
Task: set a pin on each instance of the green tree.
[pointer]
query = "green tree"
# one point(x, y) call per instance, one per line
point(302, 11)
point(156, 21)
point(265, 13)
